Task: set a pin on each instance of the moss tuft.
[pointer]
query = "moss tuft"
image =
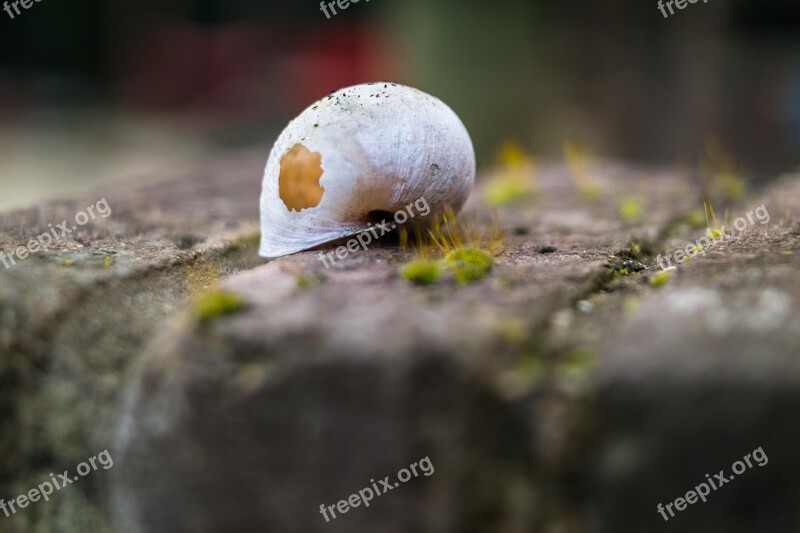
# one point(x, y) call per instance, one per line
point(514, 181)
point(723, 172)
point(469, 264)
point(453, 232)
point(307, 281)
point(467, 250)
point(631, 209)
point(509, 191)
point(250, 241)
point(529, 368)
point(214, 303)
point(422, 272)
point(660, 279)
point(717, 232)
point(579, 164)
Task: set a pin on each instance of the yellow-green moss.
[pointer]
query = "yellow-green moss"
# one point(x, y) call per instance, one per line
point(730, 186)
point(577, 359)
point(214, 303)
point(250, 240)
point(453, 232)
point(422, 272)
point(617, 272)
point(514, 180)
point(529, 368)
point(579, 164)
point(631, 209)
point(724, 173)
point(660, 279)
point(308, 281)
point(509, 191)
point(468, 250)
point(468, 264)
point(201, 276)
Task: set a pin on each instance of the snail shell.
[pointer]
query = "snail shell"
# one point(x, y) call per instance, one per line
point(359, 155)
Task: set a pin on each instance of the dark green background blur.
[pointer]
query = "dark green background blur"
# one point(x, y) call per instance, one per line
point(97, 90)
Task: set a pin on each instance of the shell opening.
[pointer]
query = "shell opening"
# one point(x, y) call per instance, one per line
point(298, 182)
point(376, 217)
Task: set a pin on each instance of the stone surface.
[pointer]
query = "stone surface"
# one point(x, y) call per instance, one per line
point(562, 393)
point(73, 318)
point(699, 375)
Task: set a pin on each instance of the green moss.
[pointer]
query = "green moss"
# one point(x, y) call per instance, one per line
point(638, 248)
point(305, 282)
point(251, 240)
point(529, 368)
point(469, 264)
point(617, 268)
point(577, 359)
point(730, 186)
point(422, 272)
point(615, 273)
point(509, 191)
point(717, 233)
point(660, 279)
point(214, 303)
point(202, 276)
point(631, 209)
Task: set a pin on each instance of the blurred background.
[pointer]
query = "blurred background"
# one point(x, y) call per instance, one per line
point(99, 90)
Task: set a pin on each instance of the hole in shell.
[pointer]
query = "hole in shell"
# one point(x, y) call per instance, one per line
point(298, 182)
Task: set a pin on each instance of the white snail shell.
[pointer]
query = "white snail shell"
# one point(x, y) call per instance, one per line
point(364, 150)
